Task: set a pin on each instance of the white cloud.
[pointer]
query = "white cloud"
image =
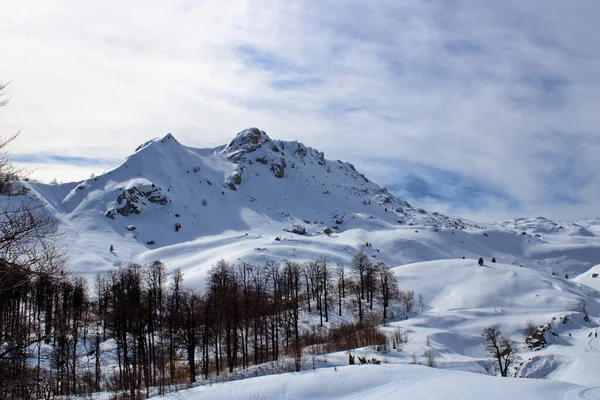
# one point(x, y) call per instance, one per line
point(501, 92)
point(62, 172)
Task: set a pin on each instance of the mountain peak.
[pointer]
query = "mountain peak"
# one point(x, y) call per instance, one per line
point(168, 137)
point(165, 139)
point(249, 140)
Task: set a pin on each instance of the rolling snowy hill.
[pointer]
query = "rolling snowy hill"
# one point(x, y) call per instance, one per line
point(461, 298)
point(387, 382)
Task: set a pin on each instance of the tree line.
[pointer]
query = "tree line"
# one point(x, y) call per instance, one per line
point(163, 332)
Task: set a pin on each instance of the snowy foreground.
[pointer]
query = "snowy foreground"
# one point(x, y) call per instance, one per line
point(387, 382)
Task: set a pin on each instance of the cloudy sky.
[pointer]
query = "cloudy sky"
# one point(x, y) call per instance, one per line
point(486, 109)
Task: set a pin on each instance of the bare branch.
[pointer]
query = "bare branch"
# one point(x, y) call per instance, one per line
point(3, 102)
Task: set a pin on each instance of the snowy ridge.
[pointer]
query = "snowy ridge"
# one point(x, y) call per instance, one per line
point(234, 201)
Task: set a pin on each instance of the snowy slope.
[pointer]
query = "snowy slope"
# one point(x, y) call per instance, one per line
point(590, 278)
point(234, 201)
point(387, 382)
point(459, 299)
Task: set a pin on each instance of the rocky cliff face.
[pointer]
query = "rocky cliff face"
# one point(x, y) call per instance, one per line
point(255, 146)
point(133, 200)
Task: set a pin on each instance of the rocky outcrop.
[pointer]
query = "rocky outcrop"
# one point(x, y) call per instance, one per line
point(132, 200)
point(247, 141)
point(278, 168)
point(278, 155)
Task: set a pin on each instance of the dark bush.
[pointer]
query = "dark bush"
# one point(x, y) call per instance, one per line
point(299, 229)
point(347, 337)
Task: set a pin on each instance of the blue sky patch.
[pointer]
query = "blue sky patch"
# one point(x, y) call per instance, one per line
point(58, 159)
point(423, 184)
point(296, 83)
point(256, 58)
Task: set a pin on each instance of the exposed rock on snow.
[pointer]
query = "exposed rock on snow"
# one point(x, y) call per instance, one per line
point(131, 200)
point(247, 141)
point(278, 168)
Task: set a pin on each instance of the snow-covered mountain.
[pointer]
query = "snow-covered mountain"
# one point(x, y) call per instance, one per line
point(258, 199)
point(190, 207)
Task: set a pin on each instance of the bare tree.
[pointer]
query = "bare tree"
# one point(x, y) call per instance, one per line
point(325, 276)
point(500, 347)
point(3, 101)
point(430, 358)
point(31, 276)
point(361, 266)
point(292, 272)
point(354, 288)
point(8, 172)
point(530, 328)
point(388, 286)
point(341, 285)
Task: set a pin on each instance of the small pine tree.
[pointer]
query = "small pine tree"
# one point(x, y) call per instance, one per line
point(112, 248)
point(493, 259)
point(480, 261)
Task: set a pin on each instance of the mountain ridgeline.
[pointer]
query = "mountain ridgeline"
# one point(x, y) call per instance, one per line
point(257, 198)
